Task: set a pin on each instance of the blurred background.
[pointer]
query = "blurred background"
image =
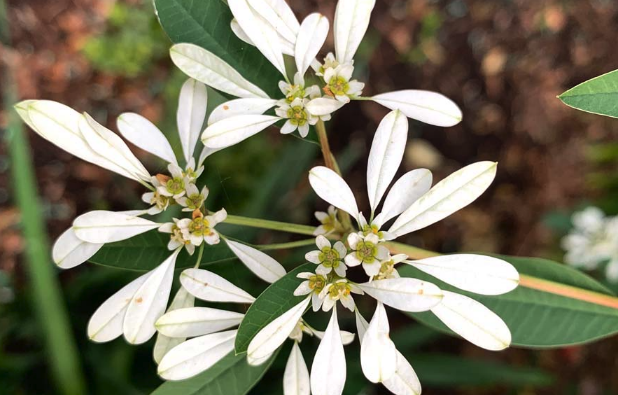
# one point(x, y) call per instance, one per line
point(503, 62)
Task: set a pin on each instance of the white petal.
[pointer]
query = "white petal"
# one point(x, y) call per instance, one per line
point(296, 375)
point(190, 115)
point(386, 154)
point(286, 47)
point(109, 145)
point(149, 303)
point(404, 192)
point(163, 344)
point(196, 355)
point(333, 189)
point(425, 106)
point(263, 35)
point(328, 371)
point(69, 251)
point(404, 381)
point(249, 106)
point(446, 197)
point(378, 353)
point(196, 321)
point(274, 334)
point(235, 129)
point(406, 294)
point(351, 22)
point(361, 325)
point(59, 125)
point(258, 262)
point(208, 286)
point(474, 273)
point(109, 226)
point(473, 321)
point(145, 135)
point(208, 68)
point(346, 337)
point(279, 15)
point(106, 323)
point(323, 106)
point(311, 37)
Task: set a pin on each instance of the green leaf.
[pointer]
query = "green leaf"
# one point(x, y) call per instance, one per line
point(448, 371)
point(274, 301)
point(537, 318)
point(146, 251)
point(230, 376)
point(598, 95)
point(207, 23)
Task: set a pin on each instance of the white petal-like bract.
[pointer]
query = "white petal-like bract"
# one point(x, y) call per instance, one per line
point(351, 22)
point(262, 34)
point(190, 115)
point(206, 67)
point(296, 375)
point(311, 37)
point(328, 370)
point(149, 302)
point(196, 321)
point(378, 352)
point(182, 300)
point(473, 321)
point(244, 106)
point(107, 322)
point(210, 287)
point(262, 265)
point(333, 189)
point(230, 131)
point(404, 192)
point(272, 336)
point(387, 148)
point(405, 294)
point(404, 381)
point(109, 226)
point(70, 251)
point(474, 273)
point(448, 196)
point(196, 355)
point(145, 135)
point(323, 106)
point(425, 106)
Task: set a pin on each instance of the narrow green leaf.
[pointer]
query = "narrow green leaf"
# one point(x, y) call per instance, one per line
point(146, 251)
point(274, 301)
point(536, 318)
point(448, 371)
point(598, 95)
point(207, 24)
point(230, 376)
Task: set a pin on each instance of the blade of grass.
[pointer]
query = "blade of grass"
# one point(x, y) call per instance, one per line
point(47, 297)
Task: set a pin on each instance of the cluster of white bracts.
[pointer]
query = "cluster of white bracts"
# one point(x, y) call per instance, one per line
point(270, 25)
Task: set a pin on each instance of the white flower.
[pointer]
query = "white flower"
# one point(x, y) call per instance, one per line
point(329, 222)
point(339, 83)
point(193, 198)
point(177, 238)
point(202, 228)
point(327, 257)
point(367, 251)
point(314, 284)
point(340, 290)
point(296, 115)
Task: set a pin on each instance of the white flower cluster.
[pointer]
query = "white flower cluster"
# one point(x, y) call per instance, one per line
point(134, 309)
point(272, 27)
point(414, 204)
point(592, 242)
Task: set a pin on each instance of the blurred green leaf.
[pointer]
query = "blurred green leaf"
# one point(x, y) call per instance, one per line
point(146, 251)
point(537, 318)
point(598, 95)
point(230, 376)
point(448, 371)
point(207, 24)
point(274, 301)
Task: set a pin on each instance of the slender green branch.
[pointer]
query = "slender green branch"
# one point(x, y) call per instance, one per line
point(272, 225)
point(289, 245)
point(199, 256)
point(329, 158)
point(43, 285)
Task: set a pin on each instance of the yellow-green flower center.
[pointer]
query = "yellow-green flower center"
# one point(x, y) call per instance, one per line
point(297, 115)
point(339, 86)
point(199, 227)
point(367, 229)
point(341, 289)
point(175, 186)
point(194, 201)
point(317, 283)
point(366, 251)
point(329, 257)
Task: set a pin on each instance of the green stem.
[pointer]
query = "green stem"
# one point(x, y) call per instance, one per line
point(282, 246)
point(199, 256)
point(272, 225)
point(43, 283)
point(329, 158)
